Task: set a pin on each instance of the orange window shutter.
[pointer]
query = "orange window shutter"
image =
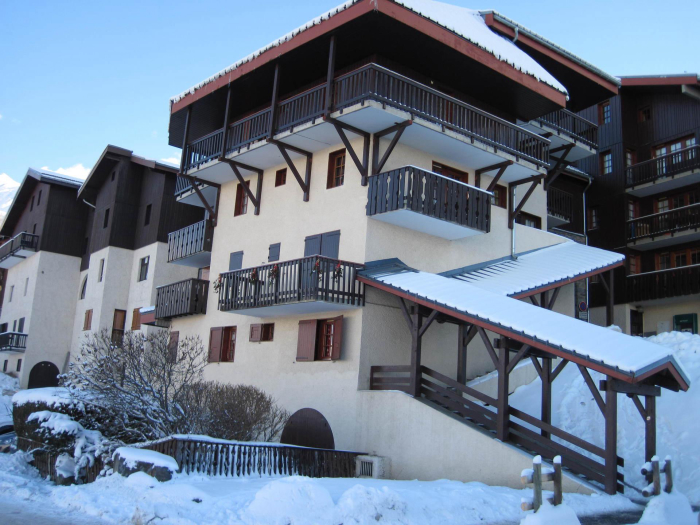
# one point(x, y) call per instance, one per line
point(306, 344)
point(337, 338)
point(172, 346)
point(215, 343)
point(255, 333)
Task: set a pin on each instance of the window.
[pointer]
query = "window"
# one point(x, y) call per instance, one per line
point(679, 259)
point(12, 292)
point(606, 164)
point(274, 253)
point(241, 206)
point(118, 326)
point(235, 261)
point(20, 325)
point(281, 177)
point(101, 275)
point(262, 332)
point(662, 205)
point(83, 288)
point(632, 210)
point(143, 268)
point(87, 320)
point(593, 218)
point(3, 328)
point(26, 285)
point(320, 339)
point(136, 319)
point(500, 196)
point(604, 113)
point(451, 173)
point(105, 223)
point(526, 219)
point(634, 264)
point(222, 344)
point(147, 219)
point(38, 200)
point(114, 174)
point(86, 245)
point(31, 206)
point(34, 229)
point(663, 261)
point(173, 343)
point(203, 274)
point(694, 256)
point(19, 365)
point(4, 366)
point(336, 169)
point(630, 158)
point(14, 325)
point(644, 114)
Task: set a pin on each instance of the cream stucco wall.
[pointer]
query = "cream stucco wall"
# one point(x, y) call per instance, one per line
point(657, 315)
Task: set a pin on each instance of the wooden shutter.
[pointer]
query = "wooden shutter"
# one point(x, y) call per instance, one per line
point(215, 343)
point(172, 346)
point(136, 319)
point(255, 333)
point(337, 338)
point(306, 345)
point(235, 261)
point(119, 319)
point(312, 245)
point(274, 254)
point(330, 244)
point(87, 322)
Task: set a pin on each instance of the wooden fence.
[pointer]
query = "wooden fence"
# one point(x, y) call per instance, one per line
point(45, 462)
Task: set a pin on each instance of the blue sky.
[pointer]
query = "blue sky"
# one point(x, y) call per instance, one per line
point(76, 76)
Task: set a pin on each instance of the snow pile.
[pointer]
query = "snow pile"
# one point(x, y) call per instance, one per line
point(8, 386)
point(669, 509)
point(284, 501)
point(132, 456)
point(551, 515)
point(50, 396)
point(575, 411)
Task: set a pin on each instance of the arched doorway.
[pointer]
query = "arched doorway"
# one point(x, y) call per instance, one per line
point(308, 428)
point(43, 374)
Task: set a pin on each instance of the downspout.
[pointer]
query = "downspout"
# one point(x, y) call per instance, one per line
point(91, 205)
point(512, 230)
point(585, 235)
point(515, 38)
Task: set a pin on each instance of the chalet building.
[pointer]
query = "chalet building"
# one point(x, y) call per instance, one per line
point(379, 223)
point(44, 225)
point(645, 203)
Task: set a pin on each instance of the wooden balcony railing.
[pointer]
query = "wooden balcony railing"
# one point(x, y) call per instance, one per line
point(662, 284)
point(373, 82)
point(191, 240)
point(669, 165)
point(21, 241)
point(13, 342)
point(182, 185)
point(430, 194)
point(560, 203)
point(314, 278)
point(188, 297)
point(671, 221)
point(570, 123)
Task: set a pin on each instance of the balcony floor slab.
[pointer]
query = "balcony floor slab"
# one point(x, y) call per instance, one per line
point(16, 258)
point(664, 240)
point(430, 225)
point(191, 197)
point(198, 260)
point(665, 184)
point(294, 309)
point(554, 221)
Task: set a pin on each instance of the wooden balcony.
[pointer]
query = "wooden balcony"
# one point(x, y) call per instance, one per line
point(17, 249)
point(185, 193)
point(188, 297)
point(387, 88)
point(424, 201)
point(664, 173)
point(664, 229)
point(576, 127)
point(191, 246)
point(663, 284)
point(13, 342)
point(560, 207)
point(309, 285)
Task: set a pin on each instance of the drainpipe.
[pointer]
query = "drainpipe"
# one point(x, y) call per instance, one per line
point(512, 231)
point(515, 38)
point(91, 205)
point(585, 234)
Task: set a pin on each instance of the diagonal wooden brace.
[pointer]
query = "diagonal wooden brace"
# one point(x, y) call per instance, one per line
point(255, 199)
point(304, 184)
point(398, 130)
point(341, 128)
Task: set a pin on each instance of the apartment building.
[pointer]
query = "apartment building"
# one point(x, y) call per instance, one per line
point(375, 188)
point(645, 202)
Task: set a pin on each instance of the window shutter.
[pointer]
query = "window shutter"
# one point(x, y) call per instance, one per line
point(330, 244)
point(172, 346)
point(312, 245)
point(215, 343)
point(119, 319)
point(87, 322)
point(274, 254)
point(20, 327)
point(337, 338)
point(136, 319)
point(306, 345)
point(255, 332)
point(235, 261)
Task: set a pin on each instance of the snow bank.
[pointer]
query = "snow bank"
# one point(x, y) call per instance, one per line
point(669, 509)
point(132, 456)
point(8, 386)
point(551, 515)
point(51, 396)
point(287, 500)
point(56, 423)
point(575, 411)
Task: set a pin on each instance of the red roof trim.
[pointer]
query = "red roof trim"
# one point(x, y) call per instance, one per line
point(659, 81)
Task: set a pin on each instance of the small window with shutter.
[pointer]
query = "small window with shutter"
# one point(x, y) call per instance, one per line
point(222, 344)
point(136, 319)
point(274, 254)
point(262, 332)
point(173, 343)
point(87, 322)
point(320, 339)
point(235, 261)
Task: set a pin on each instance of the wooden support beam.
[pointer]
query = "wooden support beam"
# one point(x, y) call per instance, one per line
point(558, 166)
point(341, 128)
point(514, 213)
point(536, 364)
point(488, 345)
point(610, 412)
point(558, 369)
point(406, 314)
point(546, 406)
point(650, 428)
point(610, 310)
point(638, 405)
point(255, 199)
point(198, 192)
point(517, 358)
point(274, 106)
point(329, 77)
point(224, 138)
point(553, 298)
point(398, 130)
point(428, 322)
point(416, 343)
point(502, 400)
point(534, 300)
point(304, 184)
point(463, 332)
point(501, 167)
point(591, 386)
point(640, 389)
point(185, 134)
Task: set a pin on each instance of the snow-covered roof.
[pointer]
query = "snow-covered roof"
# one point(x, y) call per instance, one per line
point(467, 23)
point(544, 267)
point(599, 348)
point(51, 176)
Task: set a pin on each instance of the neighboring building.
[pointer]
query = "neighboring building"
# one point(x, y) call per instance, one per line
point(645, 202)
point(367, 175)
point(42, 258)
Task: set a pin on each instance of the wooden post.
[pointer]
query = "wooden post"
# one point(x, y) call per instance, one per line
point(558, 492)
point(416, 339)
point(537, 482)
point(329, 77)
point(610, 468)
point(185, 135)
point(274, 104)
point(226, 112)
point(546, 377)
point(502, 416)
point(610, 311)
point(657, 475)
point(668, 471)
point(462, 354)
point(650, 428)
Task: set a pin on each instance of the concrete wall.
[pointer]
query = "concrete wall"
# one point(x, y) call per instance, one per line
point(657, 315)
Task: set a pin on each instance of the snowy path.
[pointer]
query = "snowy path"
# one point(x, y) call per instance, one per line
point(22, 512)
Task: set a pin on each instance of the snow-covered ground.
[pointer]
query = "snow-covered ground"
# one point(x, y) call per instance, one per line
point(678, 424)
point(8, 386)
point(194, 499)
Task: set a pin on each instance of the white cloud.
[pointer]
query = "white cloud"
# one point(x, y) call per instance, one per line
point(171, 160)
point(0, 117)
point(78, 171)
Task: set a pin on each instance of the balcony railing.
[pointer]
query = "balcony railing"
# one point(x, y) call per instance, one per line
point(314, 278)
point(430, 194)
point(188, 297)
point(672, 221)
point(670, 165)
point(571, 124)
point(373, 82)
point(182, 185)
point(191, 241)
point(560, 203)
point(20, 242)
point(662, 284)
point(13, 342)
